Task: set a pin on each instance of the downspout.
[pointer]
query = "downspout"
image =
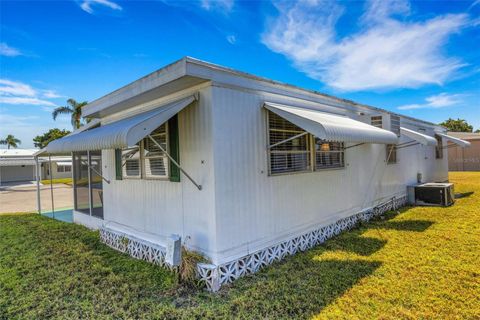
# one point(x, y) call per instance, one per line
point(51, 185)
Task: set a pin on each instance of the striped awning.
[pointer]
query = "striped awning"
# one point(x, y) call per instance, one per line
point(457, 141)
point(332, 127)
point(419, 137)
point(120, 134)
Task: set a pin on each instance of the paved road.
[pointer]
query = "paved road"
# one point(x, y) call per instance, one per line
point(24, 198)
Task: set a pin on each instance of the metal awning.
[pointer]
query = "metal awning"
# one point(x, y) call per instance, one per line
point(120, 134)
point(16, 162)
point(332, 127)
point(457, 141)
point(419, 137)
point(64, 163)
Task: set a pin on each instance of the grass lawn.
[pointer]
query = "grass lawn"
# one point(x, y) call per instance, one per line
point(63, 180)
point(421, 264)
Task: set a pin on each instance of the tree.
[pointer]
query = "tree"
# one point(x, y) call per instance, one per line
point(11, 141)
point(43, 140)
point(74, 109)
point(459, 125)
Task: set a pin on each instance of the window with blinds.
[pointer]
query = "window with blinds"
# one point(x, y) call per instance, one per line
point(391, 154)
point(292, 155)
point(329, 154)
point(147, 160)
point(131, 167)
point(439, 147)
point(155, 160)
point(395, 124)
point(376, 121)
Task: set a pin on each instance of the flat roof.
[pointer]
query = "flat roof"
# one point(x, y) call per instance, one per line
point(189, 71)
point(465, 135)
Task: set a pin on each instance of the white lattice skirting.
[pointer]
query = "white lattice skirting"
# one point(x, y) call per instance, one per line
point(137, 248)
point(214, 276)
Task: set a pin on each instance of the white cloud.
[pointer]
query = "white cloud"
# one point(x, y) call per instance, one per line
point(231, 39)
point(18, 93)
point(51, 94)
point(221, 5)
point(8, 87)
point(86, 5)
point(26, 101)
point(384, 53)
point(6, 50)
point(441, 100)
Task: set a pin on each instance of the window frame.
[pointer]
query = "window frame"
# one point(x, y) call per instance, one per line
point(311, 151)
point(388, 159)
point(439, 147)
point(143, 158)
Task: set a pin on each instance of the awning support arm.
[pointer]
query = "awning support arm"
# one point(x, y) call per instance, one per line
point(286, 140)
point(93, 169)
point(355, 145)
point(409, 145)
point(199, 187)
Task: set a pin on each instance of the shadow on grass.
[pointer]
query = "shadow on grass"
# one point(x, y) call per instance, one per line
point(463, 194)
point(363, 246)
point(407, 225)
point(300, 286)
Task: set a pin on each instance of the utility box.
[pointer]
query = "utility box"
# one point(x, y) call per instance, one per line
point(431, 194)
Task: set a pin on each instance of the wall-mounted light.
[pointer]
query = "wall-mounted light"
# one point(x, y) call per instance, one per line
point(325, 147)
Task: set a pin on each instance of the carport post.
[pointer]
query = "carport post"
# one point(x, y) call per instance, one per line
point(51, 184)
point(37, 178)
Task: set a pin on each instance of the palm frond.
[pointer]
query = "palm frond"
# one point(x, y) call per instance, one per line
point(61, 110)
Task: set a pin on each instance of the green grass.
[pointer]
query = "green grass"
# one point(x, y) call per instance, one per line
point(423, 263)
point(54, 181)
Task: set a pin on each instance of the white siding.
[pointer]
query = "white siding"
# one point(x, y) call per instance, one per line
point(163, 207)
point(254, 210)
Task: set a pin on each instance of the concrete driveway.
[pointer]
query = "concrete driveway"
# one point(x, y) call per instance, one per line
point(23, 197)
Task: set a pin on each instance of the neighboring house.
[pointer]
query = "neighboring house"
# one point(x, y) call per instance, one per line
point(464, 159)
point(267, 169)
point(18, 165)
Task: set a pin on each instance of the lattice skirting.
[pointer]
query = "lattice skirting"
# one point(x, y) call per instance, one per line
point(214, 276)
point(137, 248)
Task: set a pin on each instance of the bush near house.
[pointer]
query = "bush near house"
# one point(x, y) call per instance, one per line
point(420, 264)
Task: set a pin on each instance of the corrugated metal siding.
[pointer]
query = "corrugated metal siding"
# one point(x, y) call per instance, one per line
point(163, 207)
point(254, 210)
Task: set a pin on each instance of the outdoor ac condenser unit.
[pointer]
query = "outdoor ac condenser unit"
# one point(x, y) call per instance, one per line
point(431, 194)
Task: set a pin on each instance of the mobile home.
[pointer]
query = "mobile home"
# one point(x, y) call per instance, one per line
point(244, 170)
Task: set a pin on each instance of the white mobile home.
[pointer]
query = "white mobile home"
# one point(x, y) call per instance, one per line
point(18, 165)
point(245, 170)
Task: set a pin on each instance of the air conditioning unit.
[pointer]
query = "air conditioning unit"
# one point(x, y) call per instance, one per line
point(431, 194)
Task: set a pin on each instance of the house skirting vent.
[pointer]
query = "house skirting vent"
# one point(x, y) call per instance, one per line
point(137, 248)
point(214, 276)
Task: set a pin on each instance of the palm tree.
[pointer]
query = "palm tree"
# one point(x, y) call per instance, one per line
point(73, 108)
point(11, 141)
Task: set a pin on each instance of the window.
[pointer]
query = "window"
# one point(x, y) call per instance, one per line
point(155, 161)
point(376, 121)
point(395, 124)
point(289, 156)
point(299, 151)
point(146, 159)
point(62, 168)
point(439, 147)
point(328, 154)
point(391, 154)
point(131, 162)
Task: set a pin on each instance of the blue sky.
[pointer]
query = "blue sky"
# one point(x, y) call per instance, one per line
point(417, 58)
